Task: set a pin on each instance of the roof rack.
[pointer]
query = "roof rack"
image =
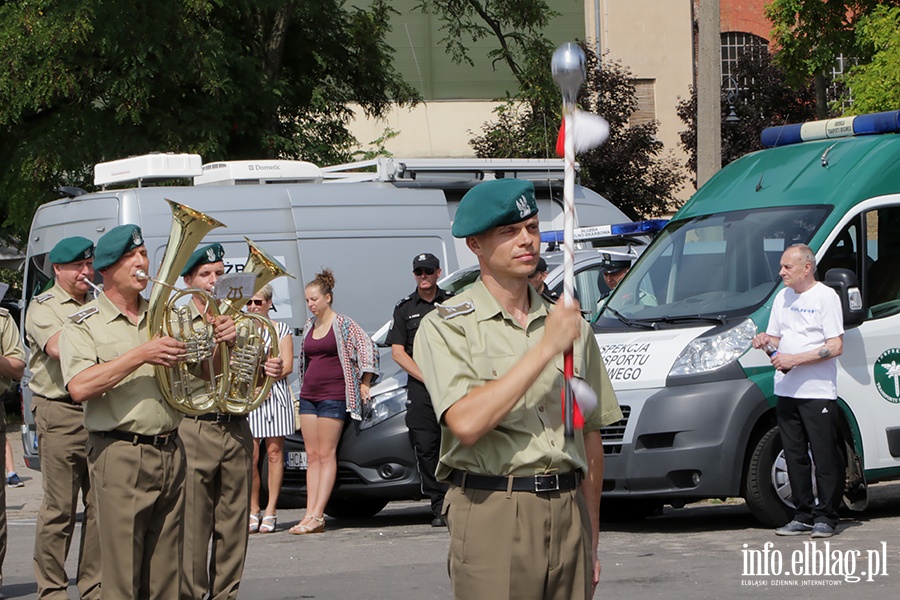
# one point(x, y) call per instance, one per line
point(446, 169)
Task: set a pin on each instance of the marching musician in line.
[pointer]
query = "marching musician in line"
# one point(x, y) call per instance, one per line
point(134, 453)
point(60, 427)
point(219, 450)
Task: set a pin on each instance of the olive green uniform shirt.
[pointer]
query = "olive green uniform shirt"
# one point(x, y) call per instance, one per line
point(45, 317)
point(477, 341)
point(10, 344)
point(136, 404)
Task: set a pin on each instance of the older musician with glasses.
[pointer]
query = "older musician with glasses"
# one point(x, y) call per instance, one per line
point(272, 420)
point(134, 454)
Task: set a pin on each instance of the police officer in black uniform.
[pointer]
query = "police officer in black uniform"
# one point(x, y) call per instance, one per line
point(424, 430)
point(612, 271)
point(536, 279)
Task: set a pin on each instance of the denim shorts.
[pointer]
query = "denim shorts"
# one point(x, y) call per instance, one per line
point(331, 409)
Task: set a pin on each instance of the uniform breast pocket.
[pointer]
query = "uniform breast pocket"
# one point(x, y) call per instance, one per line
point(109, 352)
point(490, 367)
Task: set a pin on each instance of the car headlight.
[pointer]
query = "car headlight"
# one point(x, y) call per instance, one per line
point(383, 407)
point(708, 353)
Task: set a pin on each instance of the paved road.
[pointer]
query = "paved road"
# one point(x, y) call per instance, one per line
point(703, 552)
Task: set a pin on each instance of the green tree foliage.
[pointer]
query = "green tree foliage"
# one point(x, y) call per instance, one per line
point(83, 81)
point(631, 170)
point(810, 34)
point(876, 85)
point(764, 99)
point(518, 27)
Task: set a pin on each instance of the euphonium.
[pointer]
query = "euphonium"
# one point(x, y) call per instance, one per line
point(189, 226)
point(243, 390)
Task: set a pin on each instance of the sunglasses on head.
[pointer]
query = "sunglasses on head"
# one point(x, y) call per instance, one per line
point(423, 271)
point(256, 302)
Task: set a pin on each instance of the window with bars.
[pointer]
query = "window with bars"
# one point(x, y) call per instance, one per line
point(645, 91)
point(734, 43)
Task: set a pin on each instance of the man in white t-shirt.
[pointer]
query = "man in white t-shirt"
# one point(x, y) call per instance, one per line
point(804, 339)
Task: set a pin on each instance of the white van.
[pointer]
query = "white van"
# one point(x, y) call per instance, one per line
point(365, 221)
point(698, 401)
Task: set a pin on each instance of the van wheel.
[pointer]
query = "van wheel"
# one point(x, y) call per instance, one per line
point(356, 508)
point(768, 488)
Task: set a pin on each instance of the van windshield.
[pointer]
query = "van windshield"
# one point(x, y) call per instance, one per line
point(709, 268)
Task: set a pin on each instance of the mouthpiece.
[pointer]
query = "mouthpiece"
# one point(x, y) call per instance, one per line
point(141, 275)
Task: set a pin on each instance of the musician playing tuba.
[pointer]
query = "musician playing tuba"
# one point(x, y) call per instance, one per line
point(219, 451)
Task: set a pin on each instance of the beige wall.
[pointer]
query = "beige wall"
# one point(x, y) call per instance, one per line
point(651, 37)
point(440, 129)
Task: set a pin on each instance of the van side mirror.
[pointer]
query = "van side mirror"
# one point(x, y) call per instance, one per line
point(845, 283)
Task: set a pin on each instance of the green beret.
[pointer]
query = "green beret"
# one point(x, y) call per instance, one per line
point(493, 203)
point(71, 249)
point(202, 256)
point(116, 242)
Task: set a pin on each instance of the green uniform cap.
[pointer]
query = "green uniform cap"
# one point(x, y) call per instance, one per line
point(493, 203)
point(202, 256)
point(116, 242)
point(71, 249)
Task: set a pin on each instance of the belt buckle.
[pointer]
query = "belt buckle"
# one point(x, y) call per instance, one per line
point(223, 418)
point(546, 483)
point(161, 439)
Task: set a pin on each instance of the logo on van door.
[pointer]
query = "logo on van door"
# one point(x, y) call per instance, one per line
point(887, 375)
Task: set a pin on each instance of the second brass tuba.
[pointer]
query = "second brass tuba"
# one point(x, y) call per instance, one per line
point(177, 384)
point(245, 389)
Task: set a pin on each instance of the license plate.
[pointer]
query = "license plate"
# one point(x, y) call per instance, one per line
point(295, 460)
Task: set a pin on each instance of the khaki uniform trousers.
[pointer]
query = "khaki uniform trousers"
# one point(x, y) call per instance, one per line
point(518, 545)
point(137, 489)
point(62, 439)
point(216, 505)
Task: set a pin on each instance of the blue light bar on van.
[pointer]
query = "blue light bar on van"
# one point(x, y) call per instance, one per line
point(884, 122)
point(585, 234)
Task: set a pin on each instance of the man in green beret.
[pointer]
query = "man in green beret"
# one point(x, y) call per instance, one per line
point(493, 362)
point(134, 454)
point(12, 367)
point(60, 428)
point(219, 451)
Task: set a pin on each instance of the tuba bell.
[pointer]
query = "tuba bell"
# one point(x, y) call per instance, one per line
point(177, 384)
point(245, 389)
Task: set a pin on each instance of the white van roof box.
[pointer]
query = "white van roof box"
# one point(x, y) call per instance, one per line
point(254, 172)
point(446, 169)
point(157, 165)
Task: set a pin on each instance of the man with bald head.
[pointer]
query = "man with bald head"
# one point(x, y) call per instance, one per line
point(804, 339)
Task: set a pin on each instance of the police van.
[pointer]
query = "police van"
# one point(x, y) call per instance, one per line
point(365, 221)
point(698, 400)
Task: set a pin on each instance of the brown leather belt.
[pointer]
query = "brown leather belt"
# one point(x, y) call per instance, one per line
point(136, 438)
point(549, 482)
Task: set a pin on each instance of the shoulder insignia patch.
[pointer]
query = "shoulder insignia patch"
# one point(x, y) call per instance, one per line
point(4, 312)
point(83, 314)
point(43, 298)
point(402, 300)
point(448, 312)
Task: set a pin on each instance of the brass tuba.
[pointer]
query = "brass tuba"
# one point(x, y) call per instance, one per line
point(177, 384)
point(243, 391)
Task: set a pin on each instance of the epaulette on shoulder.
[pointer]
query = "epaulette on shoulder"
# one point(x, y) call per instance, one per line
point(43, 297)
point(448, 312)
point(83, 314)
point(4, 312)
point(402, 300)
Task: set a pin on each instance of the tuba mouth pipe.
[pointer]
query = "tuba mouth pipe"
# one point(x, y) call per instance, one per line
point(98, 289)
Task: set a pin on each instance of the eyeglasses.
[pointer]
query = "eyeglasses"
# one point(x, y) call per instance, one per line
point(419, 271)
point(256, 302)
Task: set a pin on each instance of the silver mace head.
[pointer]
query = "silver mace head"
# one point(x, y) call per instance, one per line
point(567, 66)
